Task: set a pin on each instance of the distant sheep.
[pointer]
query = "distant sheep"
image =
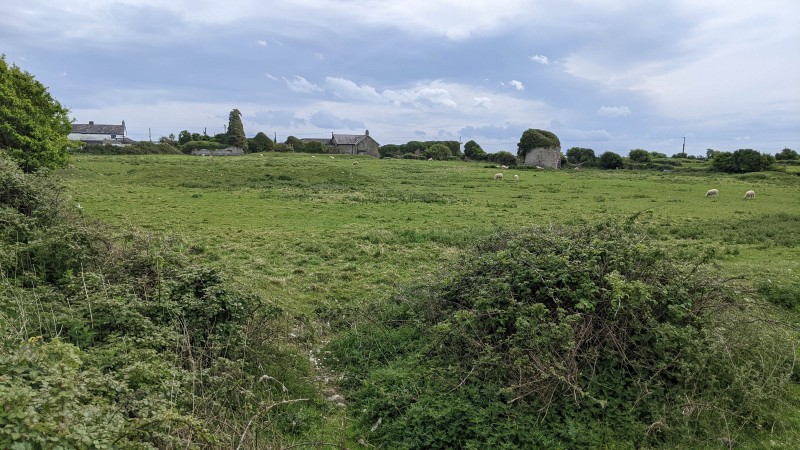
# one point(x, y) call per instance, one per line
point(498, 176)
point(539, 167)
point(516, 177)
point(712, 193)
point(504, 167)
point(750, 195)
point(313, 156)
point(332, 157)
point(355, 163)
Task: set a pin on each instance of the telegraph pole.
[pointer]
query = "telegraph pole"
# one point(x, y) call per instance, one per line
point(684, 146)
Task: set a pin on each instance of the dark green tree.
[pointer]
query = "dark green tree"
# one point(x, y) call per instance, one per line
point(504, 158)
point(33, 125)
point(640, 156)
point(580, 155)
point(787, 154)
point(294, 143)
point(610, 160)
point(741, 161)
point(236, 136)
point(474, 151)
point(438, 152)
point(391, 150)
point(184, 137)
point(534, 138)
point(260, 143)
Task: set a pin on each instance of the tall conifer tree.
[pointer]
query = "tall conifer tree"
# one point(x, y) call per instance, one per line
point(236, 136)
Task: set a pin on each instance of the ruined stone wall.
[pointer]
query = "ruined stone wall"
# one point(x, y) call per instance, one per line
point(549, 157)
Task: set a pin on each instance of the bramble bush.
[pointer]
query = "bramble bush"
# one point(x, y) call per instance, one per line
point(114, 339)
point(565, 338)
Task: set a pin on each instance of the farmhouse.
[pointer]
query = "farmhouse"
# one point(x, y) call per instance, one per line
point(95, 133)
point(349, 144)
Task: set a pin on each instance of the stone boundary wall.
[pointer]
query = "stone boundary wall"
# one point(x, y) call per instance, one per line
point(230, 151)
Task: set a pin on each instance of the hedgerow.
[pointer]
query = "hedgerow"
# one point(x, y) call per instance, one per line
point(122, 339)
point(565, 338)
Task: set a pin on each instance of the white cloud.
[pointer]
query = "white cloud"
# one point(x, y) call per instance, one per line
point(271, 76)
point(347, 89)
point(300, 84)
point(517, 85)
point(613, 111)
point(261, 42)
point(541, 59)
point(482, 102)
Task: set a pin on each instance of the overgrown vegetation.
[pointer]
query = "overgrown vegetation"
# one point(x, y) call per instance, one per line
point(130, 341)
point(555, 337)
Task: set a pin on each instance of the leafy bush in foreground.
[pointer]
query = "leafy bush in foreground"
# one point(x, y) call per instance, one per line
point(128, 341)
point(564, 338)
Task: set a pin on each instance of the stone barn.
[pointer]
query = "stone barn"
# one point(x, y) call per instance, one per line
point(549, 157)
point(540, 148)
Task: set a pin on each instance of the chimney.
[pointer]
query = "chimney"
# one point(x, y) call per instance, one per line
point(91, 122)
point(366, 133)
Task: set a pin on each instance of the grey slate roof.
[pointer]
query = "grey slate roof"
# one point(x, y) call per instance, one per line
point(96, 128)
point(348, 139)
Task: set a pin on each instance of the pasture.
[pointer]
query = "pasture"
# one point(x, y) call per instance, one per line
point(316, 236)
point(311, 233)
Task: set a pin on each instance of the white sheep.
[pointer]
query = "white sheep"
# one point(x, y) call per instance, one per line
point(314, 156)
point(332, 157)
point(712, 193)
point(498, 176)
point(539, 167)
point(750, 195)
point(355, 163)
point(516, 177)
point(504, 167)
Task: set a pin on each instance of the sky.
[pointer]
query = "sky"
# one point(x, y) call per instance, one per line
point(610, 75)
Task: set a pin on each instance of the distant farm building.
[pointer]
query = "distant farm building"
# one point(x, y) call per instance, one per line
point(349, 144)
point(99, 134)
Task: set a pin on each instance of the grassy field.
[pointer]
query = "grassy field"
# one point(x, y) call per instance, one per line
point(317, 235)
point(316, 232)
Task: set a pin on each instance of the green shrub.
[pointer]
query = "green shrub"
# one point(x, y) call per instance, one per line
point(610, 160)
point(127, 340)
point(564, 338)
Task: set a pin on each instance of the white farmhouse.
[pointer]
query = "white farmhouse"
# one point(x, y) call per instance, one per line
point(94, 133)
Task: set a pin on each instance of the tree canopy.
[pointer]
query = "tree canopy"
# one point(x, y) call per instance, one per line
point(236, 136)
point(580, 155)
point(33, 125)
point(535, 138)
point(260, 143)
point(474, 151)
point(741, 161)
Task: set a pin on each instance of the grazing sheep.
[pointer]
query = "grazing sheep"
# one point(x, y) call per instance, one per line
point(355, 163)
point(332, 157)
point(498, 176)
point(539, 167)
point(516, 177)
point(712, 193)
point(750, 195)
point(504, 167)
point(313, 156)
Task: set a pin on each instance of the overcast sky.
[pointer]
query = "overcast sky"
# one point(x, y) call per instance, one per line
point(603, 74)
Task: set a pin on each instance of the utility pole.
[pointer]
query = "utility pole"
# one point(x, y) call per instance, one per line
point(149, 134)
point(684, 147)
point(276, 138)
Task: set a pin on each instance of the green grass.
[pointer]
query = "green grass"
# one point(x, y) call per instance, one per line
point(314, 235)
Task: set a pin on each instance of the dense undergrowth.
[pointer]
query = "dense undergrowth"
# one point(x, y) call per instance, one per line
point(127, 340)
point(585, 337)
